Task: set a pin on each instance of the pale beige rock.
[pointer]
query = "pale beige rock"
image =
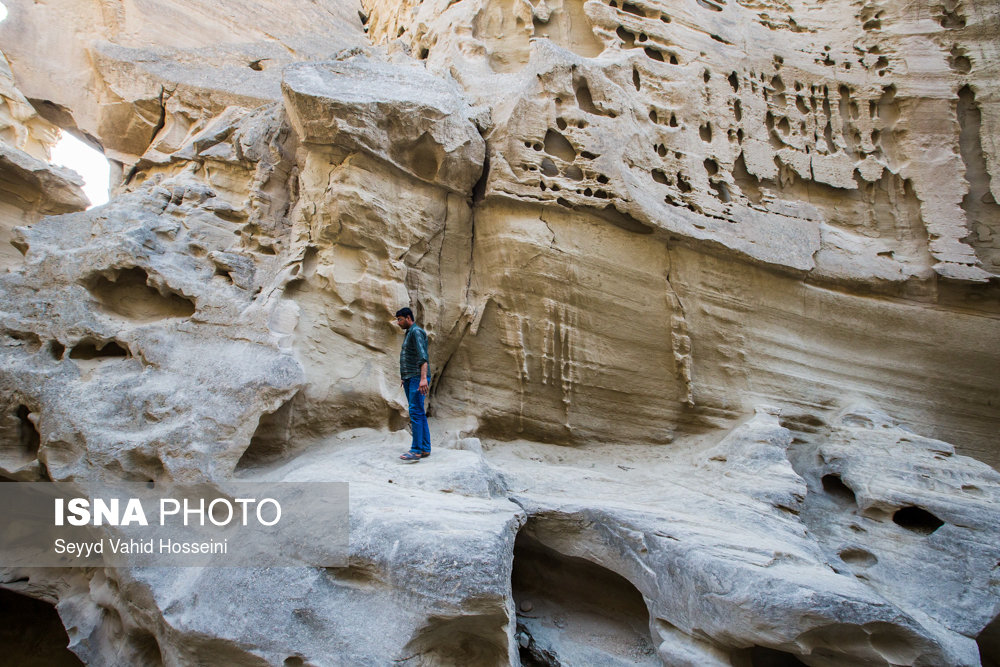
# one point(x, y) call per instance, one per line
point(30, 188)
point(668, 257)
point(128, 73)
point(737, 110)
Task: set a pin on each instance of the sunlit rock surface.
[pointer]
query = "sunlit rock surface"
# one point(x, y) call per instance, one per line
point(711, 290)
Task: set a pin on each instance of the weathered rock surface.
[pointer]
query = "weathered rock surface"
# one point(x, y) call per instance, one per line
point(124, 74)
point(626, 227)
point(30, 187)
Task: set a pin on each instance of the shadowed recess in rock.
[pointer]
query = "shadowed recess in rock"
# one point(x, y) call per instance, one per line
point(460, 640)
point(127, 293)
point(760, 656)
point(917, 520)
point(28, 437)
point(835, 486)
point(31, 634)
point(982, 212)
point(989, 644)
point(571, 611)
point(271, 440)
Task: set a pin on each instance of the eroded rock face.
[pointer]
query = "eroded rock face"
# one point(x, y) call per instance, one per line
point(709, 288)
point(31, 187)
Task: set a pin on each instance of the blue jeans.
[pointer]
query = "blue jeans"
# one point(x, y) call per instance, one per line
point(418, 418)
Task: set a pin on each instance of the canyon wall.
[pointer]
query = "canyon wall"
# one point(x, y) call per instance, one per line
point(712, 297)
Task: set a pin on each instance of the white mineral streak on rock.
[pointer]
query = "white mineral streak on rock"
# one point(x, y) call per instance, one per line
point(705, 284)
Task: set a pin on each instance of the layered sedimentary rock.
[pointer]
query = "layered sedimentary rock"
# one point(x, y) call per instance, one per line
point(31, 187)
point(710, 289)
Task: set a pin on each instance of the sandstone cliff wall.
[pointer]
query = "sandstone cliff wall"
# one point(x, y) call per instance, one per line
point(711, 289)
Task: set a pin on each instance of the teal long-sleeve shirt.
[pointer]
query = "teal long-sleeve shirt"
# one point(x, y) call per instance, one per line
point(414, 353)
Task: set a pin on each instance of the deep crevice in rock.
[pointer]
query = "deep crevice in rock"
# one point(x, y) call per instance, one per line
point(32, 634)
point(29, 439)
point(569, 606)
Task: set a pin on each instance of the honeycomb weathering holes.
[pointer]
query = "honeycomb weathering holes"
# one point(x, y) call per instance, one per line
point(127, 293)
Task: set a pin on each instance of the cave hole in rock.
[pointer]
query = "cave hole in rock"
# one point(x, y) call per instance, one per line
point(127, 293)
point(949, 18)
point(636, 81)
point(653, 54)
point(917, 520)
point(958, 61)
point(628, 39)
point(32, 634)
point(557, 145)
point(568, 606)
point(632, 9)
point(28, 438)
point(989, 644)
point(734, 81)
point(705, 131)
point(89, 349)
point(835, 487)
point(549, 167)
point(683, 183)
point(660, 176)
point(272, 439)
point(57, 350)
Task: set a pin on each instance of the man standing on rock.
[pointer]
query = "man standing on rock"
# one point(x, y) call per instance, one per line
point(414, 371)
